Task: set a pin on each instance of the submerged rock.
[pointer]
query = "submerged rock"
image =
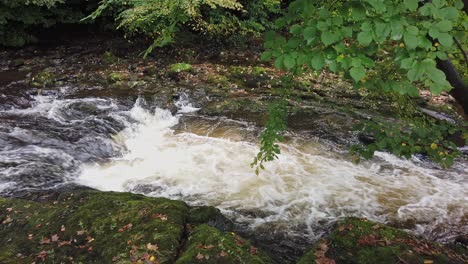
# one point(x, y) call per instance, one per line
point(87, 226)
point(361, 241)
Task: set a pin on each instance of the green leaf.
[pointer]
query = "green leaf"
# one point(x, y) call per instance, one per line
point(434, 32)
point(450, 13)
point(411, 5)
point(289, 62)
point(444, 26)
point(407, 63)
point(318, 61)
point(295, 29)
point(279, 62)
point(415, 73)
point(441, 55)
point(445, 39)
point(358, 12)
point(364, 38)
point(411, 41)
point(366, 26)
point(357, 73)
point(411, 90)
point(328, 38)
point(309, 33)
point(266, 56)
point(412, 30)
point(436, 75)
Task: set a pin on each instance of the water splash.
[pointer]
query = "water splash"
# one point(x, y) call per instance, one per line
point(304, 189)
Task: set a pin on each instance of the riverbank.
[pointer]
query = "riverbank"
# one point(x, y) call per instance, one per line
point(86, 226)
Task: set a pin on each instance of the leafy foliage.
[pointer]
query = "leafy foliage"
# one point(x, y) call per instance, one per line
point(274, 129)
point(388, 47)
point(18, 18)
point(162, 19)
point(422, 136)
point(364, 39)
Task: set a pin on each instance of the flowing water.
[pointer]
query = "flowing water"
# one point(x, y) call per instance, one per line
point(100, 143)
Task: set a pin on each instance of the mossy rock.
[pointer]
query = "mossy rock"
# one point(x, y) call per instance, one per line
point(180, 67)
point(43, 79)
point(88, 226)
point(118, 77)
point(209, 245)
point(109, 58)
point(91, 227)
point(361, 241)
point(250, 77)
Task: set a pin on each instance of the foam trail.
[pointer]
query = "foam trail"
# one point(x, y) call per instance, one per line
point(304, 187)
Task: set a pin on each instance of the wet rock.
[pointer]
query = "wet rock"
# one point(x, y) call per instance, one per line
point(17, 63)
point(109, 58)
point(177, 70)
point(88, 226)
point(361, 241)
point(206, 244)
point(210, 215)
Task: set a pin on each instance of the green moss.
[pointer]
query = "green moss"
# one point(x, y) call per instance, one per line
point(117, 77)
point(108, 227)
point(109, 58)
point(92, 226)
point(360, 241)
point(202, 214)
point(180, 67)
point(43, 79)
point(209, 245)
point(217, 79)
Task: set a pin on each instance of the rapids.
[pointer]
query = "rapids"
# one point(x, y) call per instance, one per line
point(102, 144)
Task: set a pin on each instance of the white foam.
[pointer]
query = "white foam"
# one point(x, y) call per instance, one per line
point(304, 186)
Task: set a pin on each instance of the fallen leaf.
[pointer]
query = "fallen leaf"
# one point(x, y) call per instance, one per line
point(368, 240)
point(30, 236)
point(145, 256)
point(325, 261)
point(42, 255)
point(54, 238)
point(45, 240)
point(152, 247)
point(239, 241)
point(200, 256)
point(125, 227)
point(323, 246)
point(209, 246)
point(253, 250)
point(7, 220)
point(9, 209)
point(62, 229)
point(64, 243)
point(223, 254)
point(159, 216)
point(80, 232)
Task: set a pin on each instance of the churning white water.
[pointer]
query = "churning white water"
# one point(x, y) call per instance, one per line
point(206, 161)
